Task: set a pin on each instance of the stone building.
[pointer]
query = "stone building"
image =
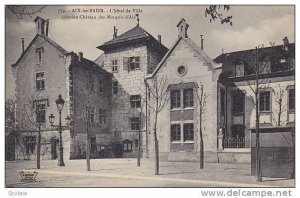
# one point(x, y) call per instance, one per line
point(130, 57)
point(276, 104)
point(186, 67)
point(45, 70)
point(110, 104)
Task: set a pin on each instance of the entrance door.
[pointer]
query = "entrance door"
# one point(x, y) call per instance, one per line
point(54, 148)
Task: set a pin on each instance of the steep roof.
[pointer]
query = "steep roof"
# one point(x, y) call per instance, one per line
point(210, 63)
point(50, 41)
point(247, 55)
point(100, 60)
point(134, 34)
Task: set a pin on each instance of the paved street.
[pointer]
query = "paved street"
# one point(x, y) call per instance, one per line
point(125, 173)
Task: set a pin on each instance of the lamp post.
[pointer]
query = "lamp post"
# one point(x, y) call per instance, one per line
point(60, 105)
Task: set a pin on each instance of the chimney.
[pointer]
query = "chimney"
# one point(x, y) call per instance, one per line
point(285, 43)
point(80, 56)
point(201, 41)
point(40, 25)
point(47, 26)
point(159, 39)
point(115, 32)
point(23, 47)
point(182, 27)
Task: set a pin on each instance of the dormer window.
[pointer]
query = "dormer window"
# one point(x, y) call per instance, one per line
point(239, 69)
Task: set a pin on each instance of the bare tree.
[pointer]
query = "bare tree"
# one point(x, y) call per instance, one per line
point(10, 128)
point(202, 96)
point(277, 120)
point(277, 112)
point(139, 136)
point(158, 94)
point(261, 62)
point(22, 11)
point(35, 116)
point(215, 12)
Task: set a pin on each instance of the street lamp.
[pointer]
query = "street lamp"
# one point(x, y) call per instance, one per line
point(60, 105)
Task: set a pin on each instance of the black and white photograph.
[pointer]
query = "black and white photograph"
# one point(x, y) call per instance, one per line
point(152, 96)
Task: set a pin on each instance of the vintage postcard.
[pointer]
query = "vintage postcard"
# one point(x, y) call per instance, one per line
point(150, 96)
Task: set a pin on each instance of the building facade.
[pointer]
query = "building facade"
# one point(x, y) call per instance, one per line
point(44, 71)
point(130, 57)
point(112, 108)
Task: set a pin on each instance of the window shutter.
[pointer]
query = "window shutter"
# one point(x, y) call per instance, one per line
point(126, 63)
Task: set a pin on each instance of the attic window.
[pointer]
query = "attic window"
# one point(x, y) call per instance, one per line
point(239, 69)
point(39, 52)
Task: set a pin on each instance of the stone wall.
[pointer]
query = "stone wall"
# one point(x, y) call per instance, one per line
point(25, 78)
point(198, 73)
point(95, 99)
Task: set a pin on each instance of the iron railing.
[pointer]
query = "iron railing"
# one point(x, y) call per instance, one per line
point(234, 142)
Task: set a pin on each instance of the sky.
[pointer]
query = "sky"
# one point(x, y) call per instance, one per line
point(252, 26)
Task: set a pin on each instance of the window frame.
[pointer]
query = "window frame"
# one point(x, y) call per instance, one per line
point(264, 101)
point(186, 132)
point(239, 65)
point(175, 100)
point(188, 98)
point(135, 123)
point(40, 81)
point(114, 67)
point(128, 145)
point(289, 99)
point(174, 129)
point(135, 101)
point(134, 63)
point(102, 116)
point(39, 58)
point(30, 142)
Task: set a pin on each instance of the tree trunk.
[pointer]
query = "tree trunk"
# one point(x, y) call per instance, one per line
point(88, 153)
point(293, 157)
point(201, 149)
point(139, 149)
point(156, 145)
point(38, 150)
point(257, 146)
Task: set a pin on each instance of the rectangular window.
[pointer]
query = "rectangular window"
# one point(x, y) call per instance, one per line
point(115, 87)
point(40, 109)
point(188, 132)
point(264, 101)
point(175, 132)
point(30, 144)
point(135, 123)
point(102, 116)
point(239, 70)
point(134, 63)
point(175, 99)
point(90, 114)
point(127, 145)
point(40, 81)
point(114, 65)
point(39, 52)
point(135, 101)
point(188, 98)
point(291, 99)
